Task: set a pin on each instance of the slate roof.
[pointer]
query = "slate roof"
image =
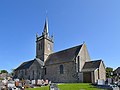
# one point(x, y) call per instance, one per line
point(26, 65)
point(117, 71)
point(91, 65)
point(63, 56)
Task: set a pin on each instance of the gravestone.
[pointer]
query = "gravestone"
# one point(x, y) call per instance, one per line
point(109, 80)
point(39, 82)
point(54, 86)
point(100, 82)
point(11, 84)
point(33, 82)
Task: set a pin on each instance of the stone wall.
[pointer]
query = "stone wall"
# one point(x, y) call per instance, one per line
point(96, 76)
point(36, 69)
point(40, 49)
point(48, 48)
point(53, 73)
point(84, 56)
point(102, 72)
point(33, 72)
point(70, 68)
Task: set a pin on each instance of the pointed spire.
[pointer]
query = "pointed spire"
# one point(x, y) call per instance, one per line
point(83, 42)
point(46, 26)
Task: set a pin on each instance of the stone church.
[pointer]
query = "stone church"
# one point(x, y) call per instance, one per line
point(66, 66)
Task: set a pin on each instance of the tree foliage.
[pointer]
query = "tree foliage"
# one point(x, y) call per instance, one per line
point(12, 72)
point(4, 71)
point(109, 72)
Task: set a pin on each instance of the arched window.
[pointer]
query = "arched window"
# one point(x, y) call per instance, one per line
point(78, 58)
point(45, 71)
point(61, 69)
point(25, 71)
point(33, 74)
point(41, 46)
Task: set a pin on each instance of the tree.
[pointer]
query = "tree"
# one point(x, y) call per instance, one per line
point(4, 71)
point(109, 72)
point(12, 72)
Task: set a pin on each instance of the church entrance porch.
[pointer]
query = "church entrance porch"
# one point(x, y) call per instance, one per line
point(87, 78)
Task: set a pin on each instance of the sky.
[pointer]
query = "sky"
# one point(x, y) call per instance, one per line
point(95, 22)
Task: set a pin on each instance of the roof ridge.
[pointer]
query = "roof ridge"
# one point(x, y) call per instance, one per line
point(64, 55)
point(66, 49)
point(92, 64)
point(24, 63)
point(29, 61)
point(94, 60)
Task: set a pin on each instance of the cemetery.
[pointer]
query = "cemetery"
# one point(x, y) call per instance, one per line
point(41, 85)
point(47, 85)
point(21, 84)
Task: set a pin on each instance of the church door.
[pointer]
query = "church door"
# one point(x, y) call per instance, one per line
point(87, 77)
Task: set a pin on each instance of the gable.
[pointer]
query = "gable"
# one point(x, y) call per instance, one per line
point(26, 65)
point(84, 53)
point(91, 65)
point(63, 56)
point(102, 65)
point(117, 71)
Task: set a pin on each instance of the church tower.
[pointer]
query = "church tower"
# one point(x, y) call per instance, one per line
point(44, 43)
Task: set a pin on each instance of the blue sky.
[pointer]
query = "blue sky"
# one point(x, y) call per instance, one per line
point(97, 22)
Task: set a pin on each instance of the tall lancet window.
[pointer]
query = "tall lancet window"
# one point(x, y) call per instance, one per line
point(39, 46)
point(61, 69)
point(78, 61)
point(33, 74)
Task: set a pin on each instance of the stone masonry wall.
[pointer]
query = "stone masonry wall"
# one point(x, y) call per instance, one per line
point(53, 73)
point(95, 76)
point(36, 68)
point(28, 73)
point(84, 56)
point(102, 72)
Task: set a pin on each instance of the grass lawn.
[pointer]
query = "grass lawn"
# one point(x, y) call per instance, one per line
point(40, 88)
point(73, 86)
